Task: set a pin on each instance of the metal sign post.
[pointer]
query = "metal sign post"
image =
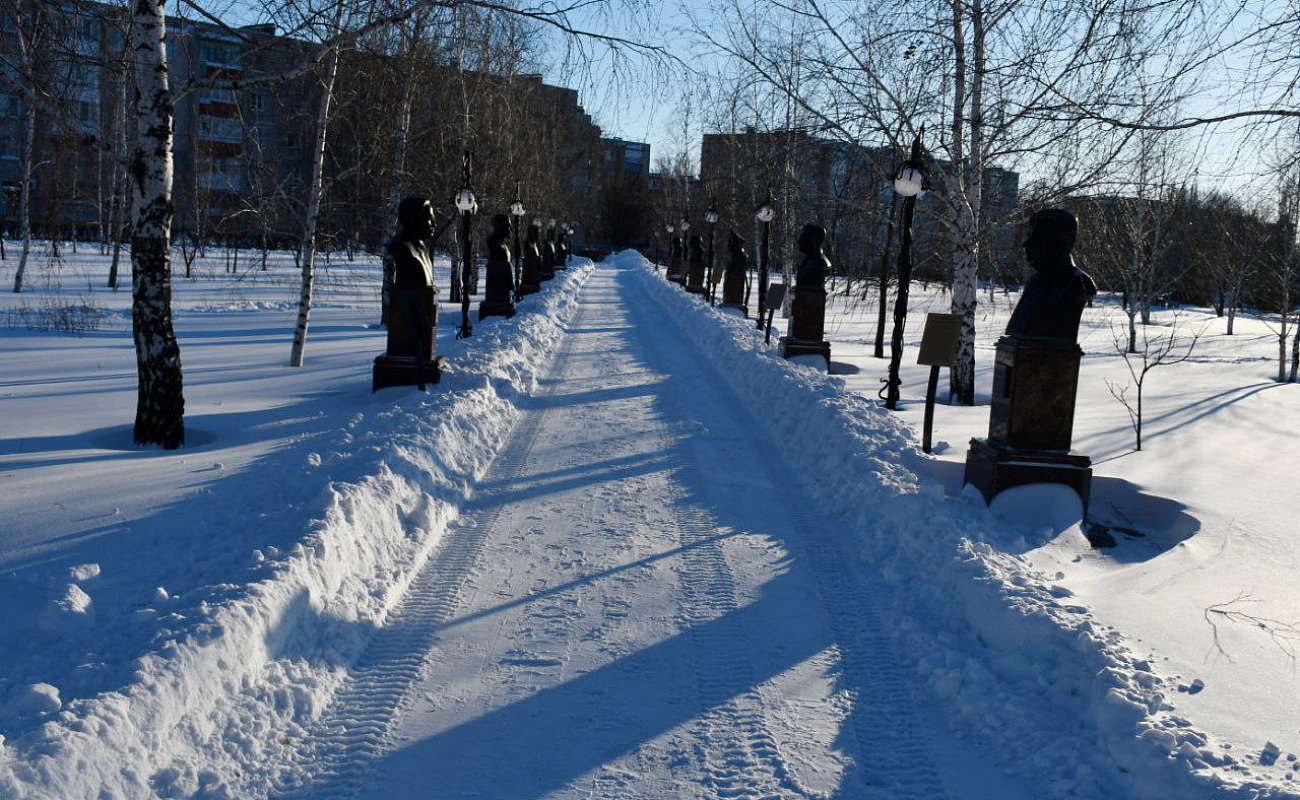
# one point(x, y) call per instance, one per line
point(939, 343)
point(775, 296)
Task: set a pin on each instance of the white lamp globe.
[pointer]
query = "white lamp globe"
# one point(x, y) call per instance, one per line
point(517, 209)
point(909, 181)
point(466, 202)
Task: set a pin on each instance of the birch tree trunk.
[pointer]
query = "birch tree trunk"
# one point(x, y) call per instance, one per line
point(965, 275)
point(964, 266)
point(314, 199)
point(25, 189)
point(1295, 354)
point(116, 204)
point(160, 404)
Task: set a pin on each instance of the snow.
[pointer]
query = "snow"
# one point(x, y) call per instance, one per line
point(190, 623)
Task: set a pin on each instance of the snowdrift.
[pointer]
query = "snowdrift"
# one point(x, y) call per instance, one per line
point(228, 687)
point(1021, 666)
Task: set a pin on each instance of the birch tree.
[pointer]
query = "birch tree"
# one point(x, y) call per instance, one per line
point(160, 402)
point(31, 32)
point(330, 72)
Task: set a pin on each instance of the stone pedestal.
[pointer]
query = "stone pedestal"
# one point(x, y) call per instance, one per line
point(500, 283)
point(992, 468)
point(1034, 385)
point(695, 279)
point(791, 347)
point(409, 359)
point(1031, 421)
point(675, 271)
point(733, 291)
point(807, 326)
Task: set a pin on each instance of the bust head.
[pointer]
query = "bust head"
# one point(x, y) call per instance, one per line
point(736, 243)
point(1052, 233)
point(697, 247)
point(534, 232)
point(811, 239)
point(1054, 297)
point(414, 219)
point(500, 225)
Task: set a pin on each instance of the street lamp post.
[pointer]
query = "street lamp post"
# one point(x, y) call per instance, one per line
point(711, 217)
point(685, 226)
point(467, 204)
point(517, 210)
point(672, 253)
point(909, 182)
point(765, 214)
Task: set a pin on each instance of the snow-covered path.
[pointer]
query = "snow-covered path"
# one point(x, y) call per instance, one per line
point(638, 602)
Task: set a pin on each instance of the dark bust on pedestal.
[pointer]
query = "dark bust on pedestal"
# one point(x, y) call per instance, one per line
point(675, 273)
point(409, 358)
point(808, 307)
point(733, 279)
point(1036, 372)
point(531, 279)
point(561, 248)
point(548, 258)
point(695, 272)
point(497, 300)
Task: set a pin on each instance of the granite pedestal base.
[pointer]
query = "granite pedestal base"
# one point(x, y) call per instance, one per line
point(404, 371)
point(695, 279)
point(993, 468)
point(498, 309)
point(791, 347)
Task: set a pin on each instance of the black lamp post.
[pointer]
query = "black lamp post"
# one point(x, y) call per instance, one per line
point(765, 214)
point(517, 210)
point(468, 207)
point(711, 217)
point(909, 182)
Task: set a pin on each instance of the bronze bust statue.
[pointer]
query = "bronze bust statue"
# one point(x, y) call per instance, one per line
point(413, 265)
point(812, 270)
point(739, 261)
point(733, 279)
point(697, 251)
point(531, 280)
point(500, 276)
point(498, 296)
point(410, 358)
point(1054, 297)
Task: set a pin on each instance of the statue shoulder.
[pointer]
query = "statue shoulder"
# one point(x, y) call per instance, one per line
point(1085, 282)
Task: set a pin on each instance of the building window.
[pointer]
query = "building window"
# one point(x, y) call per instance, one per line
point(220, 129)
point(257, 101)
point(222, 54)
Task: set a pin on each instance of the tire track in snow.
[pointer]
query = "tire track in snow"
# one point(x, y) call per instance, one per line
point(892, 758)
point(339, 748)
point(744, 760)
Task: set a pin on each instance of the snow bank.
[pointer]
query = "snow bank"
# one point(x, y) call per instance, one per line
point(229, 686)
point(1021, 666)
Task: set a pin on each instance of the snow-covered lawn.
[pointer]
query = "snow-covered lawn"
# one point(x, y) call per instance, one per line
point(168, 614)
point(1205, 585)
